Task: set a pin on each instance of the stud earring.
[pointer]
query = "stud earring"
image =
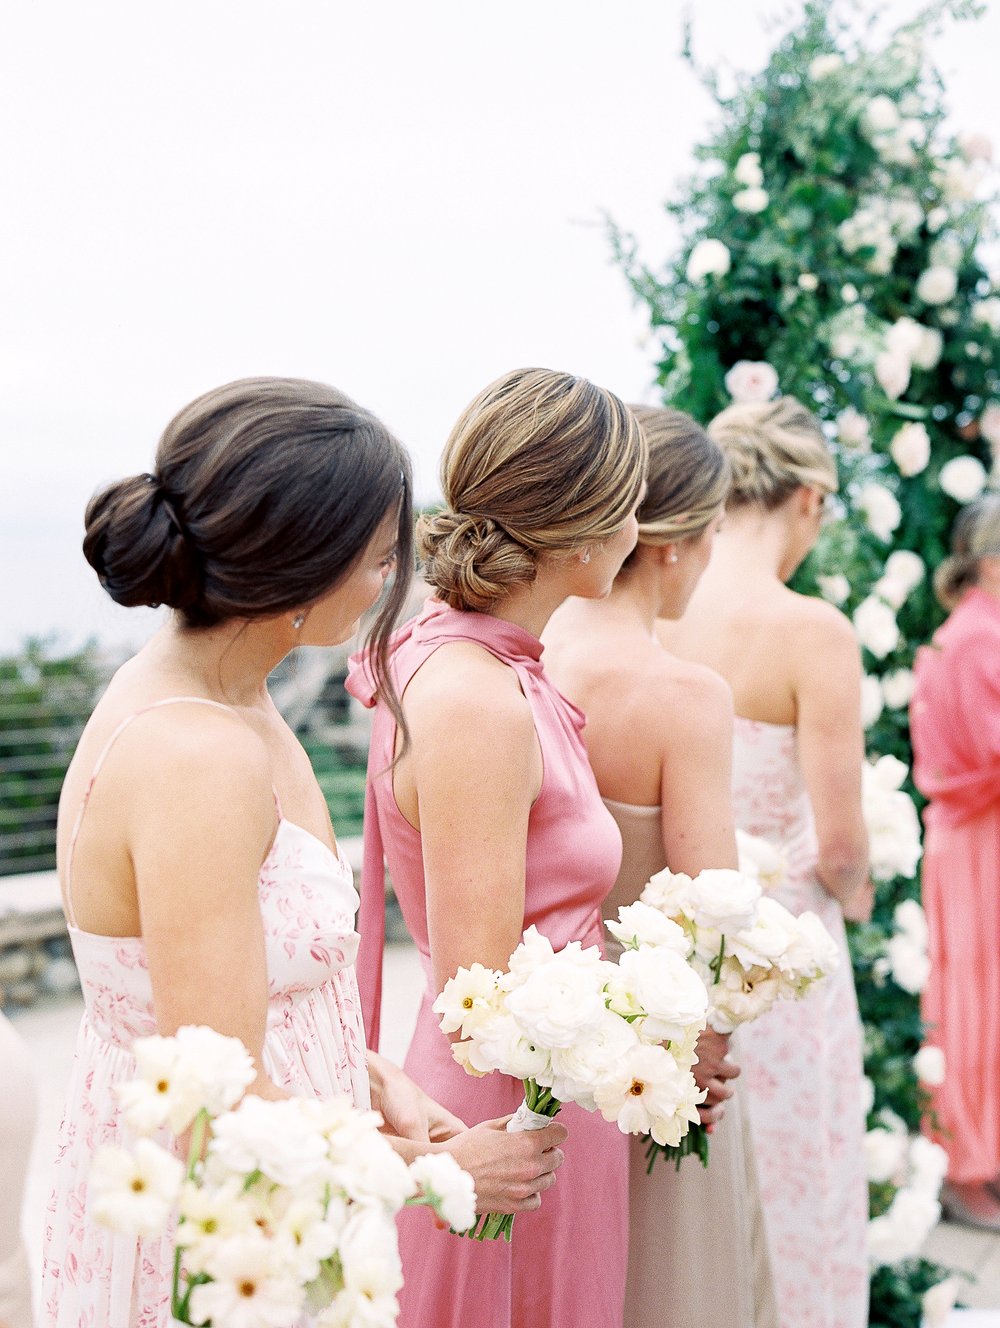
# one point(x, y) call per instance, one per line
point(673, 555)
point(298, 620)
point(585, 556)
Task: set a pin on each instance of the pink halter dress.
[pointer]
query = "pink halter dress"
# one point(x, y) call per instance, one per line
point(565, 1267)
point(314, 1046)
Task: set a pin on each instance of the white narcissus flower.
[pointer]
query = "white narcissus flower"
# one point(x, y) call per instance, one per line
point(835, 588)
point(853, 429)
point(897, 688)
point(911, 449)
point(276, 1138)
point(708, 258)
point(937, 285)
point(467, 1000)
point(640, 924)
point(251, 1287)
point(557, 1002)
point(447, 1187)
point(176, 1077)
point(747, 170)
point(963, 478)
point(880, 509)
point(872, 700)
point(876, 627)
point(752, 381)
point(661, 985)
point(651, 1094)
point(751, 200)
point(886, 1152)
point(938, 1302)
point(822, 66)
point(929, 1066)
point(209, 1214)
point(892, 369)
point(134, 1192)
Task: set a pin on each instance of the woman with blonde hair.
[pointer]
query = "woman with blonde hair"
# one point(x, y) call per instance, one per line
point(490, 819)
point(955, 723)
point(793, 665)
point(660, 740)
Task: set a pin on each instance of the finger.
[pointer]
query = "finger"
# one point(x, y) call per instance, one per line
point(727, 1069)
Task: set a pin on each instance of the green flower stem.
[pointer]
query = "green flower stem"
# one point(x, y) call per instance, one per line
point(695, 1142)
point(199, 1128)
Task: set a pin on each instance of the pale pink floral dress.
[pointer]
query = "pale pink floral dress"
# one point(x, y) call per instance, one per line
point(314, 1046)
point(802, 1067)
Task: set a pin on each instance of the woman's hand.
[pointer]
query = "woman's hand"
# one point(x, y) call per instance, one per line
point(404, 1106)
point(859, 907)
point(711, 1070)
point(510, 1171)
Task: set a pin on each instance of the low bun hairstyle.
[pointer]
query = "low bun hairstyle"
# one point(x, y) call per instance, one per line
point(539, 463)
point(688, 477)
point(773, 448)
point(264, 495)
point(975, 535)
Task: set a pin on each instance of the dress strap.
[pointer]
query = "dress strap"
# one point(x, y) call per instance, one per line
point(105, 751)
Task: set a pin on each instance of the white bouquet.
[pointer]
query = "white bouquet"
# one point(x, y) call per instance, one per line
point(288, 1208)
point(748, 949)
point(891, 819)
point(617, 1038)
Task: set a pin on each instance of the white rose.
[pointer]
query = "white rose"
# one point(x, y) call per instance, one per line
point(812, 952)
point(557, 1003)
point(989, 422)
point(892, 370)
point(640, 924)
point(651, 1094)
point(747, 170)
point(849, 293)
point(911, 920)
point(909, 965)
point(937, 285)
point(872, 701)
point(900, 1233)
point(751, 381)
point(911, 449)
point(665, 988)
point(907, 567)
point(875, 624)
point(904, 336)
point(885, 1154)
point(835, 588)
point(821, 66)
point(938, 1302)
point(889, 773)
point(853, 429)
point(880, 116)
point(929, 1066)
point(768, 940)
point(987, 312)
point(708, 258)
point(928, 1166)
point(808, 281)
point(897, 149)
point(880, 509)
point(897, 688)
point(751, 200)
point(724, 900)
point(963, 478)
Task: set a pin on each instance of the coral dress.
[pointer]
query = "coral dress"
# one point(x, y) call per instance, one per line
point(314, 1046)
point(565, 1267)
point(955, 723)
point(802, 1066)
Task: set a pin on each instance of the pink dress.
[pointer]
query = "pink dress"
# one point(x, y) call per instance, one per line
point(802, 1066)
point(955, 722)
point(314, 1046)
point(565, 1267)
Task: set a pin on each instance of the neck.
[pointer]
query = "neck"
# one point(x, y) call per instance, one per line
point(531, 607)
point(752, 543)
point(637, 595)
point(230, 662)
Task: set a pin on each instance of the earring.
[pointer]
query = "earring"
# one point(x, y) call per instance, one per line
point(673, 555)
point(298, 620)
point(585, 556)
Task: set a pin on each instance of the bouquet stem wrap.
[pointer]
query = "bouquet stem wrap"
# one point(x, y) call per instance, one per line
point(534, 1113)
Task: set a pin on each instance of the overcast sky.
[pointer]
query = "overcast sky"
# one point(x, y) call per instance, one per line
point(400, 198)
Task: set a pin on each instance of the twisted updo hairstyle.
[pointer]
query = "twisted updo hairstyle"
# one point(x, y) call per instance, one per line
point(264, 495)
point(539, 463)
point(687, 480)
point(773, 448)
point(975, 535)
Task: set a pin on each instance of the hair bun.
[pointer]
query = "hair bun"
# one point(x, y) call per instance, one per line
point(471, 561)
point(953, 577)
point(139, 548)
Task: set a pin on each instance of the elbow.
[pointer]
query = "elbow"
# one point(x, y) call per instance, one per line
point(843, 865)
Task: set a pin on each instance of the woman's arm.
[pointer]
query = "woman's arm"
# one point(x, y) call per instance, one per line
point(827, 681)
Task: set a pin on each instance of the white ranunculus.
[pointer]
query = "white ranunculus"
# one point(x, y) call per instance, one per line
point(808, 281)
point(937, 285)
point(928, 1166)
point(661, 984)
point(880, 509)
point(724, 900)
point(752, 381)
point(533, 951)
point(134, 1191)
point(835, 588)
point(872, 700)
point(468, 1000)
point(853, 429)
point(911, 449)
point(276, 1138)
point(640, 924)
point(708, 258)
point(447, 1187)
point(892, 369)
point(822, 66)
point(576, 1071)
point(886, 1153)
point(670, 892)
point(747, 170)
point(989, 423)
point(650, 1094)
point(768, 940)
point(875, 624)
point(880, 116)
point(987, 312)
point(938, 1302)
point(501, 1045)
point(897, 688)
point(963, 478)
point(557, 1002)
point(751, 200)
point(813, 952)
point(929, 1065)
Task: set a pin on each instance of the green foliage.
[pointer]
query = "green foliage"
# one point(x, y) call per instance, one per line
point(835, 186)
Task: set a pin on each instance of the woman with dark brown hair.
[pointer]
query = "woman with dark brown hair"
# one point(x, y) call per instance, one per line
point(202, 880)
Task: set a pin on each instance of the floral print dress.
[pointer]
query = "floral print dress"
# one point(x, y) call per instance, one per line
point(314, 1046)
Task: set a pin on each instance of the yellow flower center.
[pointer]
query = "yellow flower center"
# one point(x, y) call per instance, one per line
point(637, 1088)
point(467, 1003)
point(138, 1184)
point(248, 1288)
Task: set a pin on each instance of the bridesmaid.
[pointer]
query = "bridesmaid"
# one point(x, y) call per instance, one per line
point(793, 665)
point(955, 722)
point(660, 739)
point(201, 877)
point(490, 818)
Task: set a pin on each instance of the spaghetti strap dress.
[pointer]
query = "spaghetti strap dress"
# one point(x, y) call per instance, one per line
point(565, 1267)
point(314, 1046)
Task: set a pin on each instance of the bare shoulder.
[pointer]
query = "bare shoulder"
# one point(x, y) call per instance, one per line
point(462, 687)
point(814, 621)
point(694, 699)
